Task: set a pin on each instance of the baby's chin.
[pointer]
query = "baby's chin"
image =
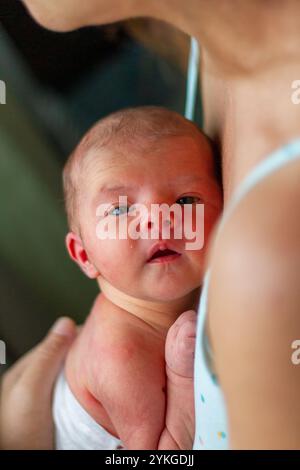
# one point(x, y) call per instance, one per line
point(172, 285)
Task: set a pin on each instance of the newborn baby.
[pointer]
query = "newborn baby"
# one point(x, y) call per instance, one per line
point(112, 393)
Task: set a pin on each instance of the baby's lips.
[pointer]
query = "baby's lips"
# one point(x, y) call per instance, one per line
point(161, 246)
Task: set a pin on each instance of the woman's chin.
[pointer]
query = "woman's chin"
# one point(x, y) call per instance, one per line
point(50, 18)
point(63, 15)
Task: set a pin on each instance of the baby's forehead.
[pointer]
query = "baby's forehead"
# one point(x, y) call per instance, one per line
point(142, 157)
point(140, 151)
point(105, 162)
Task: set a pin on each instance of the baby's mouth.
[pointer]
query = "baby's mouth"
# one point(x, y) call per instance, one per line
point(163, 255)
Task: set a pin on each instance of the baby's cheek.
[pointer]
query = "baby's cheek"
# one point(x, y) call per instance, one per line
point(193, 227)
point(212, 215)
point(114, 258)
point(198, 258)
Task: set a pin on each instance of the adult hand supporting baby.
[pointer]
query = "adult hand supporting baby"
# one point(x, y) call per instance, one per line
point(180, 352)
point(26, 392)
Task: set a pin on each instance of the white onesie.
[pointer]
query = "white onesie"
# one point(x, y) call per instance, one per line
point(75, 429)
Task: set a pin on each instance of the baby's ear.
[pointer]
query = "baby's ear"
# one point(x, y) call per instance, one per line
point(78, 254)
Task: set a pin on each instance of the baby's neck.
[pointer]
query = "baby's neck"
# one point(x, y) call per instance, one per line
point(159, 315)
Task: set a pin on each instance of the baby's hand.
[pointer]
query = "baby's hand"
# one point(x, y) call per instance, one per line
point(180, 345)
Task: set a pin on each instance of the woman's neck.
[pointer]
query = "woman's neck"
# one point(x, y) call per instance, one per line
point(250, 118)
point(159, 315)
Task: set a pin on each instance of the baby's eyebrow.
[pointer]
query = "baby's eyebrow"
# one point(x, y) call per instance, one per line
point(186, 179)
point(108, 189)
point(114, 189)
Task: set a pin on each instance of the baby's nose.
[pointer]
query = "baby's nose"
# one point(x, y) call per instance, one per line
point(158, 223)
point(149, 224)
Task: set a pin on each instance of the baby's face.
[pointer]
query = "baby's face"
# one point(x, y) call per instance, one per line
point(149, 266)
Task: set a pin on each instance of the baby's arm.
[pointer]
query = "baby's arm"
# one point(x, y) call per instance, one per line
point(131, 387)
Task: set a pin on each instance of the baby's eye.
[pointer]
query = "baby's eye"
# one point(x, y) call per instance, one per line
point(187, 200)
point(119, 210)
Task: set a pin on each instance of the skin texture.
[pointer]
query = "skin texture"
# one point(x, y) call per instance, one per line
point(249, 59)
point(127, 394)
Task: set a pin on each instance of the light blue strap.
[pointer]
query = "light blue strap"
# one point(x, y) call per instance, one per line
point(277, 159)
point(192, 80)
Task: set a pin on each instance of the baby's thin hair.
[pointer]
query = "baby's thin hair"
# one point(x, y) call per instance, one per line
point(125, 128)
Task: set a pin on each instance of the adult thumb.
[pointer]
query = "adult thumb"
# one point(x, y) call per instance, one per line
point(47, 358)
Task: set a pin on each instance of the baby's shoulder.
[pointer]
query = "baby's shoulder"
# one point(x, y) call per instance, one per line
point(112, 332)
point(115, 344)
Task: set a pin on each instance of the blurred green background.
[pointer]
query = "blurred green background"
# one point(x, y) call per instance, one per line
point(57, 85)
